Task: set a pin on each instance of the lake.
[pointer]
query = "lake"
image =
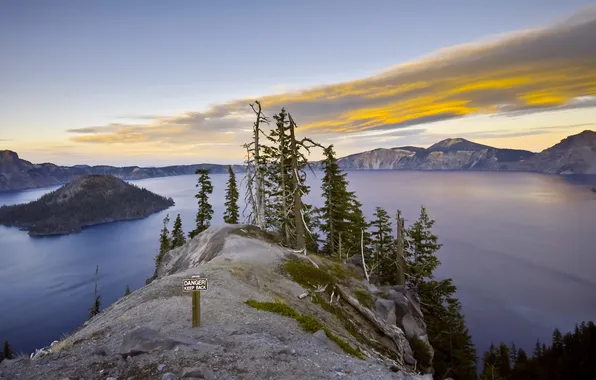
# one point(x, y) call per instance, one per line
point(519, 246)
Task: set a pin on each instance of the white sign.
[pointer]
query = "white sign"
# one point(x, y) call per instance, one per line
point(194, 284)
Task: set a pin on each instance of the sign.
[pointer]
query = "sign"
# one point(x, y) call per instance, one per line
point(194, 284)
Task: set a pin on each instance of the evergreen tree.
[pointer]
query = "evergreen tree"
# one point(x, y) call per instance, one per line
point(420, 248)
point(94, 310)
point(164, 246)
point(178, 238)
point(383, 246)
point(7, 350)
point(334, 214)
point(231, 214)
point(127, 291)
point(455, 355)
point(205, 212)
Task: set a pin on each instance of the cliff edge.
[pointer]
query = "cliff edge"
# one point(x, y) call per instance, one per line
point(309, 333)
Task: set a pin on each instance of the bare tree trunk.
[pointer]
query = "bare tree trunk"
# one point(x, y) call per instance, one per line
point(400, 259)
point(362, 254)
point(260, 196)
point(299, 226)
point(340, 257)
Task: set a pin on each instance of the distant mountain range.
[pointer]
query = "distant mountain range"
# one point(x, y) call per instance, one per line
point(573, 155)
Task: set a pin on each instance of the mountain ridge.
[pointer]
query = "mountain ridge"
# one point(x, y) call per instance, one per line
point(575, 154)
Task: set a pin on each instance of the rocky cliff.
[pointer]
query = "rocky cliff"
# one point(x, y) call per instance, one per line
point(19, 174)
point(573, 155)
point(266, 315)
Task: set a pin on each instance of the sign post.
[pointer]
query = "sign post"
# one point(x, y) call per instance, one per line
point(195, 285)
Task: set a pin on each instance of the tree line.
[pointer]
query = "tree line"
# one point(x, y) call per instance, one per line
point(569, 356)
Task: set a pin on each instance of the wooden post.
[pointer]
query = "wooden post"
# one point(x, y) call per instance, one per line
point(196, 308)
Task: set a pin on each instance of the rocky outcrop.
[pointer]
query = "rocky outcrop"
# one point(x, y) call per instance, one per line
point(19, 174)
point(148, 334)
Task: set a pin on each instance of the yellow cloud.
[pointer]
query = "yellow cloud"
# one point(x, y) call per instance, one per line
point(530, 70)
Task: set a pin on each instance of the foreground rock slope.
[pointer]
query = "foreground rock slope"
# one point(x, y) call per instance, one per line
point(148, 334)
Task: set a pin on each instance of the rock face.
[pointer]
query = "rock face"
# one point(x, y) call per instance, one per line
point(148, 334)
point(19, 174)
point(574, 155)
point(86, 201)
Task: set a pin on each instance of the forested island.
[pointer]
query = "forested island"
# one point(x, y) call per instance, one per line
point(87, 201)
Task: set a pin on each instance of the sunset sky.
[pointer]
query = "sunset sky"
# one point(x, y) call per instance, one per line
point(146, 82)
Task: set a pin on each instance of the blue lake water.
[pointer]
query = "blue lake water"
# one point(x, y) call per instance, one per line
point(520, 247)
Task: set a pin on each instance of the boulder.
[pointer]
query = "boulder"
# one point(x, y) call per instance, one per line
point(411, 327)
point(143, 340)
point(386, 310)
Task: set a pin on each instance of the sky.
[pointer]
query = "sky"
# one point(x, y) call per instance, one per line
point(146, 82)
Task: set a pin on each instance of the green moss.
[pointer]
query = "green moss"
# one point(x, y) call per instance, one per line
point(365, 298)
point(306, 322)
point(309, 324)
point(307, 275)
point(274, 307)
point(421, 353)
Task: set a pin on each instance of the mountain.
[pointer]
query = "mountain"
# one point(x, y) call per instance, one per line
point(86, 201)
point(254, 321)
point(19, 174)
point(573, 155)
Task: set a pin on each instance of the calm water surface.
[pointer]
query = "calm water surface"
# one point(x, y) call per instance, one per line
point(520, 247)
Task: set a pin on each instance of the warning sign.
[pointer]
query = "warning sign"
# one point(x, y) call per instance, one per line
point(194, 284)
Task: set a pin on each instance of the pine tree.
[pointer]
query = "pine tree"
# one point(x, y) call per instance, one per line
point(127, 291)
point(334, 214)
point(164, 246)
point(7, 350)
point(455, 355)
point(178, 238)
point(420, 246)
point(94, 310)
point(205, 212)
point(383, 247)
point(231, 213)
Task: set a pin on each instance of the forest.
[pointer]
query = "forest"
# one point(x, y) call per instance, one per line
point(84, 202)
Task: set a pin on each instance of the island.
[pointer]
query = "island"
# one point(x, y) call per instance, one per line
point(87, 201)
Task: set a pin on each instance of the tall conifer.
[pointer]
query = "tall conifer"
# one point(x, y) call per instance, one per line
point(178, 238)
point(231, 214)
point(205, 211)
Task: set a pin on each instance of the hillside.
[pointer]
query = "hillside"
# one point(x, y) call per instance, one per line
point(19, 174)
point(243, 335)
point(86, 201)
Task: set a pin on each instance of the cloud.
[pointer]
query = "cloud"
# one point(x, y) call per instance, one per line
point(537, 70)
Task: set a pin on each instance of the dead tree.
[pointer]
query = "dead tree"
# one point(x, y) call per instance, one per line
point(255, 193)
point(299, 160)
point(400, 260)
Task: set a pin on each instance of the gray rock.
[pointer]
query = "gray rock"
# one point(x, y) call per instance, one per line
point(99, 351)
point(161, 367)
point(169, 376)
point(399, 289)
point(414, 303)
point(373, 289)
point(402, 305)
point(355, 260)
point(111, 378)
point(320, 339)
point(386, 310)
point(143, 340)
point(198, 372)
point(411, 327)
